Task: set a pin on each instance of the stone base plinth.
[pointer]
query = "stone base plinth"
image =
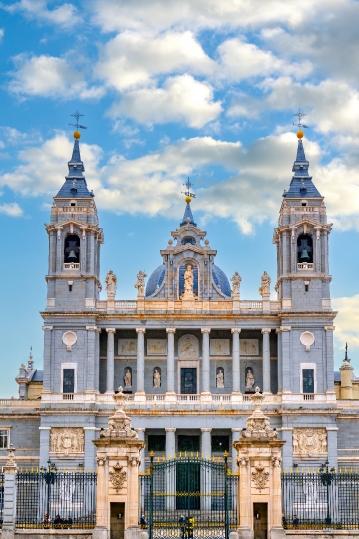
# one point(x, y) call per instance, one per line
point(277, 533)
point(100, 533)
point(245, 533)
point(135, 532)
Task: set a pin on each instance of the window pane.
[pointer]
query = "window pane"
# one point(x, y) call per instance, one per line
point(156, 442)
point(3, 438)
point(69, 381)
point(188, 443)
point(308, 380)
point(220, 444)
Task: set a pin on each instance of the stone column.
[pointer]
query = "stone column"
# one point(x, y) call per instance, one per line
point(140, 390)
point(266, 360)
point(170, 442)
point(170, 392)
point(206, 472)
point(286, 360)
point(102, 506)
point(235, 437)
point(171, 472)
point(329, 358)
point(46, 386)
point(236, 356)
point(279, 360)
point(346, 380)
point(110, 371)
point(332, 441)
point(141, 436)
point(244, 488)
point(44, 445)
point(90, 361)
point(287, 450)
point(90, 449)
point(9, 510)
point(276, 498)
point(205, 362)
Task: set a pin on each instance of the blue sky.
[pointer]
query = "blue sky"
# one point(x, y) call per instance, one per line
point(170, 89)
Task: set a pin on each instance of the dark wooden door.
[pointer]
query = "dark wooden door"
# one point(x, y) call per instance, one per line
point(188, 381)
point(117, 520)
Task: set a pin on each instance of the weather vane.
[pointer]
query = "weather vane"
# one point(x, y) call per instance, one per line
point(188, 184)
point(78, 115)
point(300, 115)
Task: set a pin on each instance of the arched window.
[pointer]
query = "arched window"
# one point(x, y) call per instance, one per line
point(188, 239)
point(72, 249)
point(157, 377)
point(127, 377)
point(305, 248)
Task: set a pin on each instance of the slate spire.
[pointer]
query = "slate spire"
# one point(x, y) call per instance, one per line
point(301, 185)
point(76, 166)
point(188, 215)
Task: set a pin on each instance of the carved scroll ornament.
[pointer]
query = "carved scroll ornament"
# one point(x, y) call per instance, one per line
point(260, 477)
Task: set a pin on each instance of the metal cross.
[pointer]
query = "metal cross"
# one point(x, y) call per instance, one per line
point(77, 115)
point(300, 115)
point(188, 184)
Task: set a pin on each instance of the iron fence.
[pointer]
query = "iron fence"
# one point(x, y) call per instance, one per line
point(189, 497)
point(53, 499)
point(322, 499)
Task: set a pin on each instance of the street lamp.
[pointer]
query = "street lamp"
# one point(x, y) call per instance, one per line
point(49, 476)
point(326, 475)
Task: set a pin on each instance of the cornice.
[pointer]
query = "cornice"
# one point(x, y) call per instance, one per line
point(73, 276)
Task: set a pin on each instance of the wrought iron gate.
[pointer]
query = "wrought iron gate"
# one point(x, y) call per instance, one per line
point(189, 498)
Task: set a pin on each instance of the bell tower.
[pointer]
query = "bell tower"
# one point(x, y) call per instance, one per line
point(74, 242)
point(302, 241)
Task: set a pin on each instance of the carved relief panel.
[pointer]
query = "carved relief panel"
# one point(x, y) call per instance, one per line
point(219, 347)
point(249, 347)
point(67, 440)
point(309, 442)
point(156, 347)
point(127, 347)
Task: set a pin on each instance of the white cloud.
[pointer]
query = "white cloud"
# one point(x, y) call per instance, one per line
point(181, 98)
point(131, 59)
point(112, 15)
point(44, 168)
point(240, 60)
point(1, 33)
point(65, 16)
point(49, 76)
point(12, 209)
point(246, 183)
point(347, 320)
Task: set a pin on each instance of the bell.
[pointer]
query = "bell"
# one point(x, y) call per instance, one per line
point(72, 254)
point(304, 257)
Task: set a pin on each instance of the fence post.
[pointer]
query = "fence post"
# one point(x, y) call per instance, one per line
point(9, 512)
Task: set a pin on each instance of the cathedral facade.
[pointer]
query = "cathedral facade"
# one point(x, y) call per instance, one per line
point(190, 351)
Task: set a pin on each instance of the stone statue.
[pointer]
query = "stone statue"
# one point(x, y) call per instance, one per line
point(111, 285)
point(188, 282)
point(220, 378)
point(128, 378)
point(140, 285)
point(249, 378)
point(264, 289)
point(156, 378)
point(236, 281)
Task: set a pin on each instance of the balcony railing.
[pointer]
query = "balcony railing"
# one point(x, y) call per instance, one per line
point(71, 266)
point(305, 266)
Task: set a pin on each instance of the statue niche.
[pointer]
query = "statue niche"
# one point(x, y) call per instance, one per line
point(127, 378)
point(188, 280)
point(157, 377)
point(220, 378)
point(249, 379)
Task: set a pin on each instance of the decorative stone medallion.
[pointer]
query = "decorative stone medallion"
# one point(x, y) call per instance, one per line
point(188, 346)
point(117, 476)
point(67, 440)
point(307, 339)
point(69, 338)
